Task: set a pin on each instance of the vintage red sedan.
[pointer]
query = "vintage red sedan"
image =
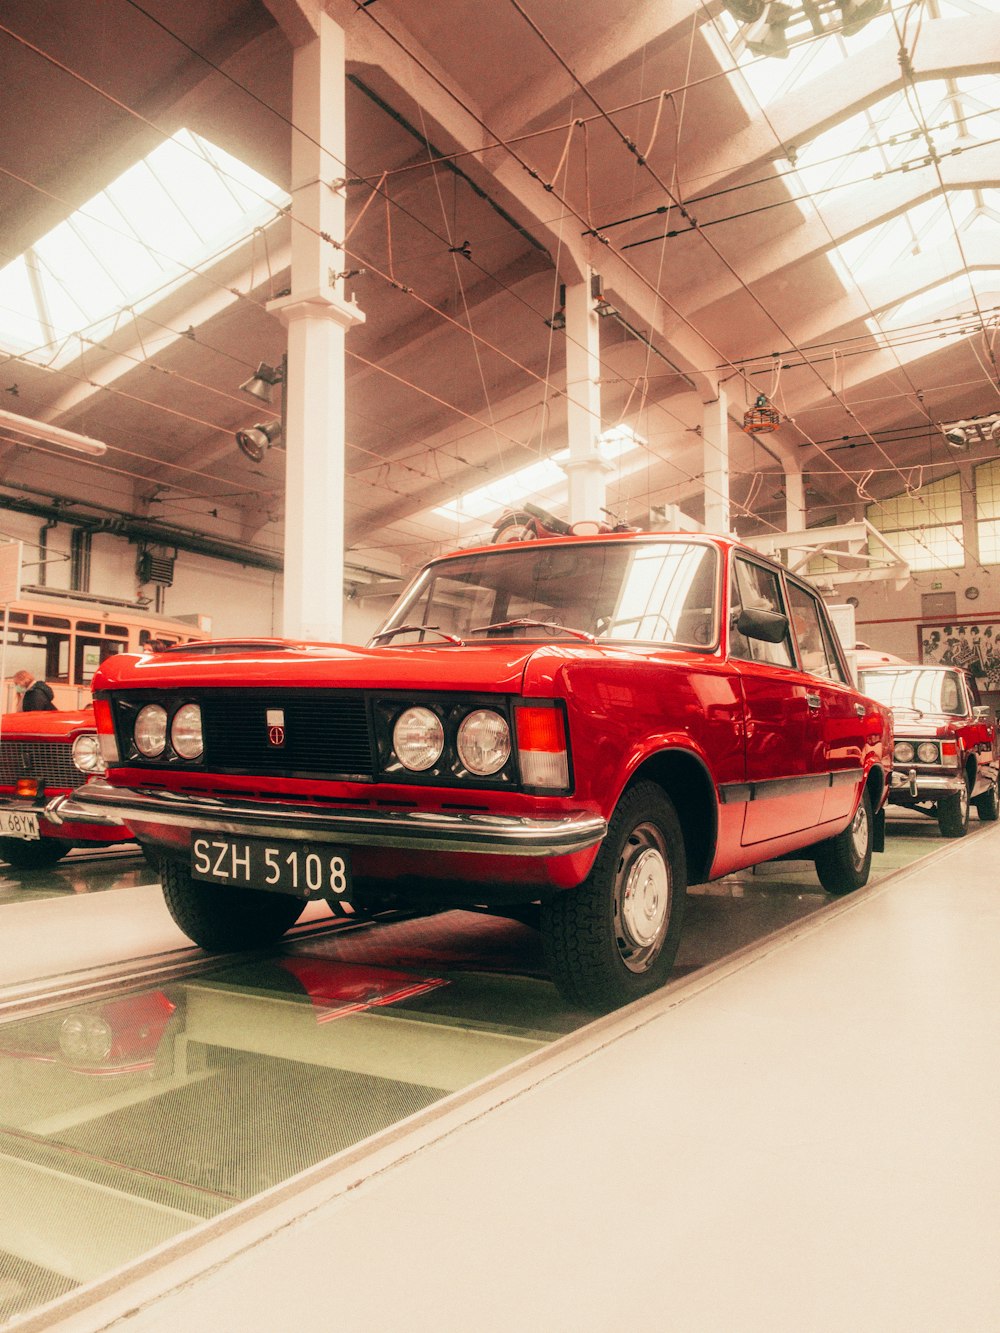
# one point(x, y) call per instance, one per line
point(44, 755)
point(945, 752)
point(587, 723)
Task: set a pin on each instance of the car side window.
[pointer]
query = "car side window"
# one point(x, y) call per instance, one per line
point(753, 586)
point(817, 653)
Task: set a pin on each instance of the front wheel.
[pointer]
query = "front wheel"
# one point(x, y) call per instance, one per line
point(34, 855)
point(988, 805)
point(843, 862)
point(953, 813)
point(615, 937)
point(219, 918)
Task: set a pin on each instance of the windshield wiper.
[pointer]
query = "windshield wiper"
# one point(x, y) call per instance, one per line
point(417, 629)
point(524, 623)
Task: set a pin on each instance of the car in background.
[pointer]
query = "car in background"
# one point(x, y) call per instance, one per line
point(945, 756)
point(586, 723)
point(43, 755)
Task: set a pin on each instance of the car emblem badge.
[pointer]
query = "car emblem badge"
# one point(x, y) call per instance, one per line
point(276, 727)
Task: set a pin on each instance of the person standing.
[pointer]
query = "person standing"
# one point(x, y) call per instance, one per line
point(36, 695)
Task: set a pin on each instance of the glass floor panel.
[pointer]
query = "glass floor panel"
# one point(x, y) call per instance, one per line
point(128, 1120)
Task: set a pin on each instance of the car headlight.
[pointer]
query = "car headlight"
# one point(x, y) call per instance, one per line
point(927, 752)
point(87, 754)
point(903, 752)
point(483, 742)
point(85, 1037)
point(150, 732)
point(185, 732)
point(418, 739)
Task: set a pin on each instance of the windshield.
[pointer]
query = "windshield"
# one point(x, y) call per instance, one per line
point(919, 689)
point(661, 592)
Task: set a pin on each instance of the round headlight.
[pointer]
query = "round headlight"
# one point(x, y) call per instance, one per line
point(85, 1037)
point(418, 739)
point(484, 742)
point(87, 754)
point(903, 752)
point(927, 752)
point(151, 730)
point(185, 732)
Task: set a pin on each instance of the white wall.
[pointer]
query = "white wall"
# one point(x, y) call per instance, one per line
point(241, 601)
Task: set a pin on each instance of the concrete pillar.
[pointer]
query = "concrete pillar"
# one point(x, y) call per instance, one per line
point(715, 452)
point(585, 468)
point(317, 317)
point(795, 498)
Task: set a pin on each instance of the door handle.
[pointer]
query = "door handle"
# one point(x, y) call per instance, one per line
point(813, 700)
point(860, 709)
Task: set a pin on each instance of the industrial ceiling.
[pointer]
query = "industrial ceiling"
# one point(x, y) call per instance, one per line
point(817, 227)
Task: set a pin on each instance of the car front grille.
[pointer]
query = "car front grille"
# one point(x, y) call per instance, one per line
point(50, 763)
point(324, 732)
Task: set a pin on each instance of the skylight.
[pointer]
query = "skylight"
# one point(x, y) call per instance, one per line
point(534, 481)
point(143, 235)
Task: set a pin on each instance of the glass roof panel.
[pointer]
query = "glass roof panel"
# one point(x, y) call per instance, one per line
point(178, 208)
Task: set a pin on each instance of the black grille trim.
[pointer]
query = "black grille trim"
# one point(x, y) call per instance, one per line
point(51, 763)
point(327, 732)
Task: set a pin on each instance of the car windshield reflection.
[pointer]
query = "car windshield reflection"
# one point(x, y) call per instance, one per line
point(915, 689)
point(653, 592)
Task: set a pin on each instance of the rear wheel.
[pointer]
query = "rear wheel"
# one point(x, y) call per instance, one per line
point(33, 855)
point(219, 918)
point(988, 805)
point(953, 814)
point(615, 937)
point(843, 862)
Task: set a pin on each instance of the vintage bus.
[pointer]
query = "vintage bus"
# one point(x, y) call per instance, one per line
point(63, 640)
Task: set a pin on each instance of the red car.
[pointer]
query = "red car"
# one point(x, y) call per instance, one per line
point(587, 722)
point(43, 755)
point(945, 746)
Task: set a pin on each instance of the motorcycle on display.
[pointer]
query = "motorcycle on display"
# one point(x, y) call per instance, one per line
point(530, 522)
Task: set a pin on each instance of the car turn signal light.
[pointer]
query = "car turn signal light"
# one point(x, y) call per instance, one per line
point(27, 788)
point(541, 747)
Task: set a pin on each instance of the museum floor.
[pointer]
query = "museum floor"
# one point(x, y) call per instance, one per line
point(402, 1128)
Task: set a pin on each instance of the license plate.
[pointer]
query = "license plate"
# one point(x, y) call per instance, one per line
point(18, 824)
point(305, 870)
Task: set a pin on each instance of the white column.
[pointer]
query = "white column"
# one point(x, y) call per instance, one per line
point(585, 468)
point(795, 498)
point(715, 445)
point(317, 317)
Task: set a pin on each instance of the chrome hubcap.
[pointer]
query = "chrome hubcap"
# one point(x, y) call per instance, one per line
point(642, 899)
point(859, 833)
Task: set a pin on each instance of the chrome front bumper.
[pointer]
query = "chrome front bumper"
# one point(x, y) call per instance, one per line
point(924, 786)
point(434, 831)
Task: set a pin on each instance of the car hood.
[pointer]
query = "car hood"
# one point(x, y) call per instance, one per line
point(507, 668)
point(62, 725)
point(928, 724)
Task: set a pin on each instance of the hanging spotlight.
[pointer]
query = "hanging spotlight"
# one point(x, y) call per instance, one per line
point(976, 430)
point(772, 27)
point(762, 417)
point(255, 441)
point(260, 384)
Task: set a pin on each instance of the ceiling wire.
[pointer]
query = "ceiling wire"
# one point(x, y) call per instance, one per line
point(432, 308)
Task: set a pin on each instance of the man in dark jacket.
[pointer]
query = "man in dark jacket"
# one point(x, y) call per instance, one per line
point(36, 695)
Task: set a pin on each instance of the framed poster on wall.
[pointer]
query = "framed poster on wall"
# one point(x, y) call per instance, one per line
point(973, 644)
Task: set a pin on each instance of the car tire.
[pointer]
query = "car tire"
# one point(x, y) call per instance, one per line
point(220, 918)
point(953, 814)
point(988, 805)
point(614, 937)
point(844, 862)
point(33, 855)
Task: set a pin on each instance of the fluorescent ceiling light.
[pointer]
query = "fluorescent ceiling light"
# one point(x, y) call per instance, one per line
point(43, 430)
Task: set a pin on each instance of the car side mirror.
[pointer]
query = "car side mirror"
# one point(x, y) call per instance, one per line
point(982, 713)
point(755, 623)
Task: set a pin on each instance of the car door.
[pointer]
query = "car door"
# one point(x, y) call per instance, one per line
point(840, 718)
point(785, 762)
